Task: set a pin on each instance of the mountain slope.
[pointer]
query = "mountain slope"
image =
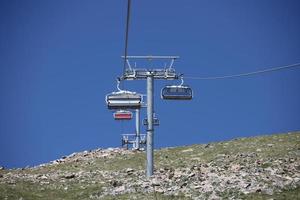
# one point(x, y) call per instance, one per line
point(245, 168)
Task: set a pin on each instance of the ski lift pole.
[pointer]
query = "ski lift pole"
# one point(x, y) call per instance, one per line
point(150, 130)
point(137, 128)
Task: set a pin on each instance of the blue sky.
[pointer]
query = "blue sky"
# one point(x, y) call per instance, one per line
point(59, 58)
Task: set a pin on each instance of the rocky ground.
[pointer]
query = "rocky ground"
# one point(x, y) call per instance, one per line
point(247, 168)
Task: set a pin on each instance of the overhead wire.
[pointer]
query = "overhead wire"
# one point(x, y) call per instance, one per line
point(195, 77)
point(126, 34)
point(126, 48)
point(272, 69)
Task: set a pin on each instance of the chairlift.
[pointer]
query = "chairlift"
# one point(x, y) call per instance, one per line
point(123, 99)
point(177, 92)
point(122, 115)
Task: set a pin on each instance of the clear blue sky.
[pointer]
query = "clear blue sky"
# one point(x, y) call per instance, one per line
point(59, 58)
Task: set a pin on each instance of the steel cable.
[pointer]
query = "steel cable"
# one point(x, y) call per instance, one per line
point(126, 34)
point(244, 74)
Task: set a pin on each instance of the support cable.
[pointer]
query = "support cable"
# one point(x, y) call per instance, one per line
point(125, 49)
point(126, 34)
point(244, 74)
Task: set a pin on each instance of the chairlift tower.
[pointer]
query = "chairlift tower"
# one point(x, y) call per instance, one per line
point(150, 75)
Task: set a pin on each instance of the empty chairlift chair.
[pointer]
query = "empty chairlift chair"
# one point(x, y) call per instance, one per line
point(122, 115)
point(177, 92)
point(124, 100)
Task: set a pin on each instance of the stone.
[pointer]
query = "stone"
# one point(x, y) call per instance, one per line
point(178, 174)
point(197, 187)
point(120, 189)
point(170, 175)
point(161, 170)
point(160, 190)
point(235, 167)
point(221, 155)
point(129, 171)
point(69, 176)
point(183, 184)
point(214, 196)
point(268, 191)
point(258, 190)
point(155, 182)
point(187, 150)
point(115, 183)
point(43, 177)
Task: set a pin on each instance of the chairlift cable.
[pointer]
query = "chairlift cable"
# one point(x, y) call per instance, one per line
point(244, 74)
point(126, 34)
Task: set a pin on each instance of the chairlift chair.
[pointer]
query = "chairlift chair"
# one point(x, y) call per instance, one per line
point(177, 92)
point(122, 115)
point(123, 99)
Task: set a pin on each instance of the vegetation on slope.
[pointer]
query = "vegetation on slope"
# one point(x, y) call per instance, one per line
point(245, 168)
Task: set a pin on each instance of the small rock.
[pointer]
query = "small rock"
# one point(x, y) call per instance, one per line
point(115, 183)
point(129, 171)
point(236, 167)
point(155, 182)
point(258, 150)
point(120, 189)
point(268, 191)
point(171, 174)
point(69, 176)
point(160, 190)
point(270, 145)
point(220, 155)
point(187, 150)
point(43, 177)
point(161, 170)
point(197, 186)
point(258, 162)
point(214, 196)
point(145, 185)
point(183, 184)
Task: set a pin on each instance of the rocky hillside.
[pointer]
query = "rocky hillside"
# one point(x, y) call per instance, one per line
point(265, 167)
